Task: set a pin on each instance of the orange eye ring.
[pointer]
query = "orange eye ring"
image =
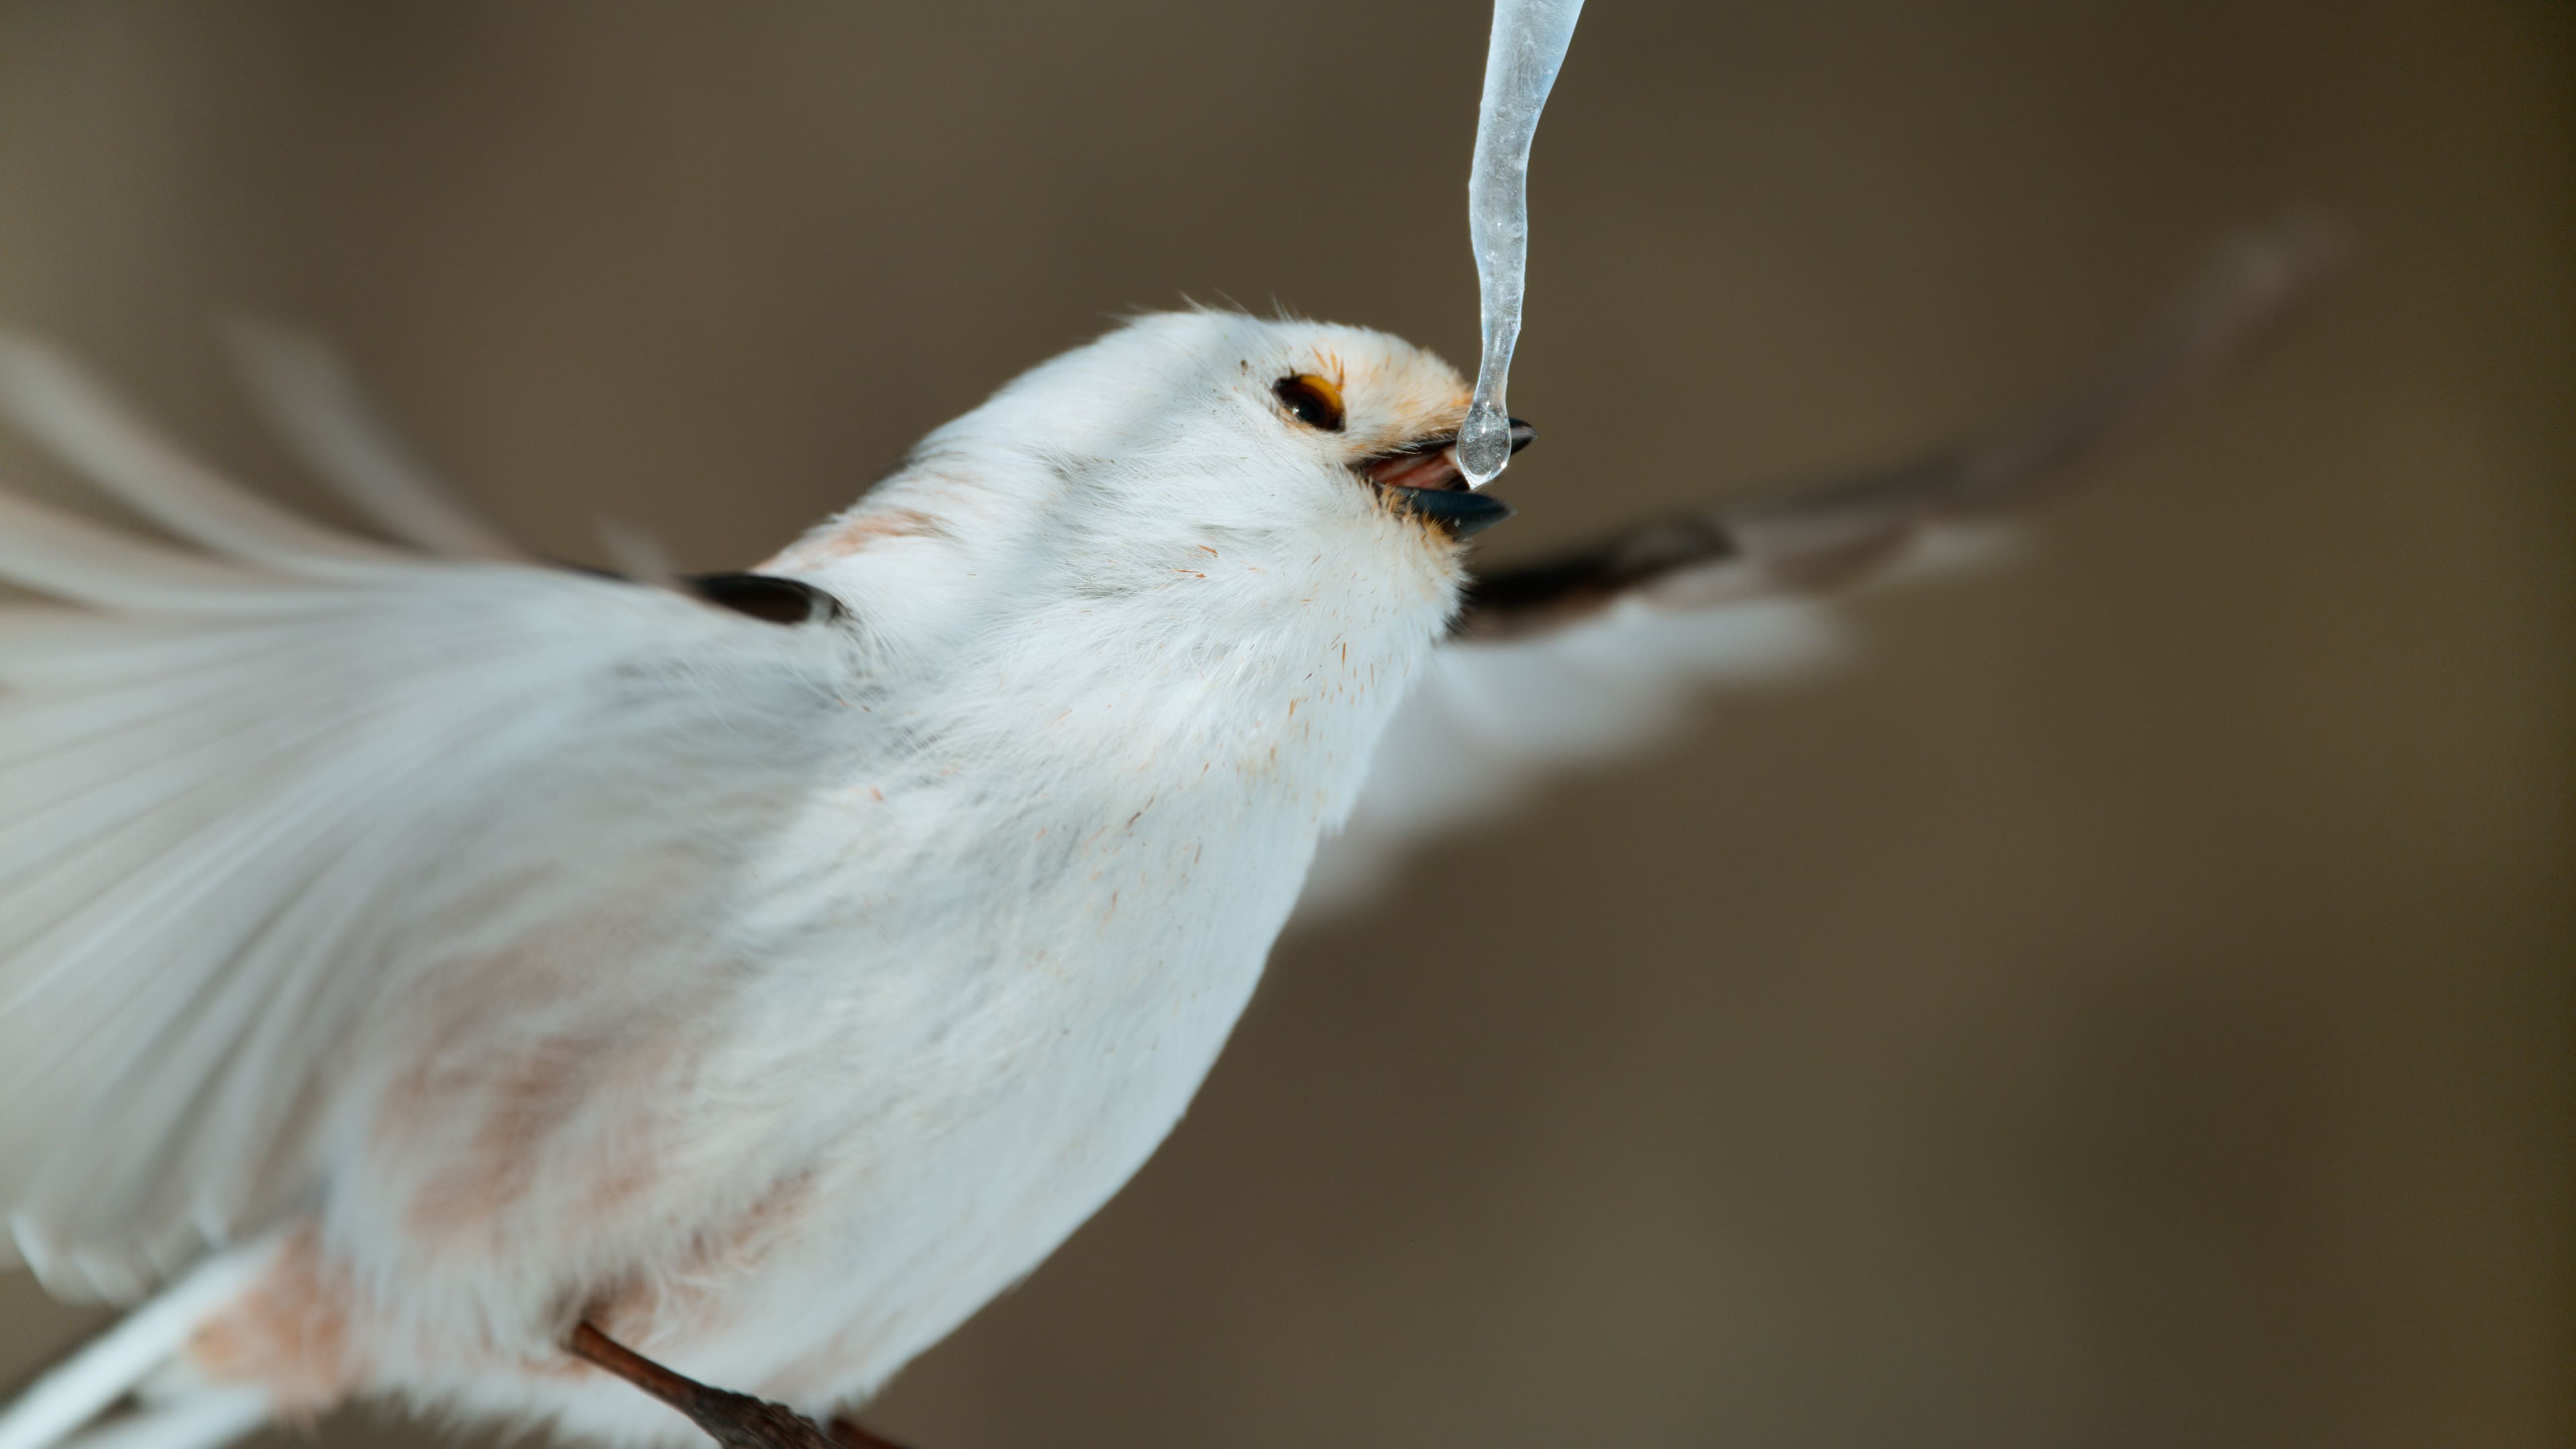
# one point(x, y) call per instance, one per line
point(1311, 400)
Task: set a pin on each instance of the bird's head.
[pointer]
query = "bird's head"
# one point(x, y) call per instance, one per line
point(1218, 473)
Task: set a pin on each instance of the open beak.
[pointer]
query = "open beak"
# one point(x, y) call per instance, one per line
point(1424, 480)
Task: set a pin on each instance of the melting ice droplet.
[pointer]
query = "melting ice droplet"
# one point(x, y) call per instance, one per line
point(1529, 43)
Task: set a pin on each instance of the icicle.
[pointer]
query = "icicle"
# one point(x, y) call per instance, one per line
point(1528, 45)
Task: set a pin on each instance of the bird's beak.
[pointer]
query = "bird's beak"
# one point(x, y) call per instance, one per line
point(1424, 480)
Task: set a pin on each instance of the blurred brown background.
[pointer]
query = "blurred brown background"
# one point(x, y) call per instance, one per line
point(2128, 1007)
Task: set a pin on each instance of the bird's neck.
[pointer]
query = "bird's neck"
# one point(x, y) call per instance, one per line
point(1284, 721)
point(1157, 666)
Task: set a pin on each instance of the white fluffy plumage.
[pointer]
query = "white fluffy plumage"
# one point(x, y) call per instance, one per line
point(526, 945)
point(435, 949)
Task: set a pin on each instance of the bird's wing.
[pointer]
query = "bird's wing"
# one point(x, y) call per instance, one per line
point(237, 779)
point(1586, 653)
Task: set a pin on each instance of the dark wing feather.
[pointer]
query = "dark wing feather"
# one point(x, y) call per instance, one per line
point(1594, 651)
point(1817, 535)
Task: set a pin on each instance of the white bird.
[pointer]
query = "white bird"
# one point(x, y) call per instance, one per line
point(444, 975)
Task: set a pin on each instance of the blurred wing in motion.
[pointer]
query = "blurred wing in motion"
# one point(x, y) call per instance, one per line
point(1595, 650)
point(310, 400)
point(239, 783)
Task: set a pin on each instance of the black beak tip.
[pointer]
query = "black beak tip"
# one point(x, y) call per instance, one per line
point(1454, 511)
point(1522, 434)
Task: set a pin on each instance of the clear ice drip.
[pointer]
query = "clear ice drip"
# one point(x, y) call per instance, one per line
point(1529, 43)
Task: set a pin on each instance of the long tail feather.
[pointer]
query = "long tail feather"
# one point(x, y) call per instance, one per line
point(80, 1388)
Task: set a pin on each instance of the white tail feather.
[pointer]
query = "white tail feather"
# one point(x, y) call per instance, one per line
point(142, 1344)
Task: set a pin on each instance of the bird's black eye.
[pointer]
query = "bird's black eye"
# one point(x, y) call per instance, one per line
point(1311, 400)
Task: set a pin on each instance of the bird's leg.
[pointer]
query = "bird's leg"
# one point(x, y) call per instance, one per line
point(736, 1421)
